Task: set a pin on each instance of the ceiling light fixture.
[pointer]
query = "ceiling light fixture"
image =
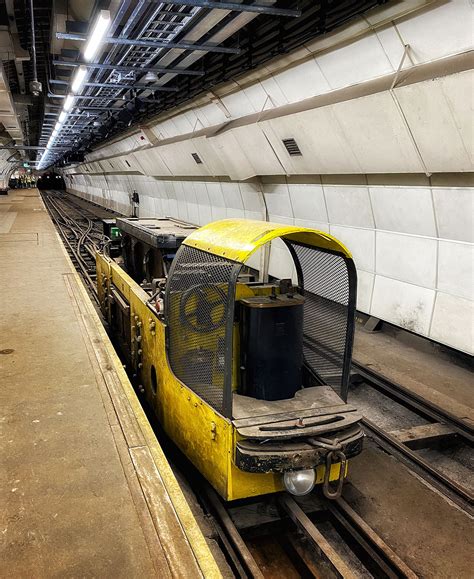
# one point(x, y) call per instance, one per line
point(97, 35)
point(150, 76)
point(69, 102)
point(62, 117)
point(79, 79)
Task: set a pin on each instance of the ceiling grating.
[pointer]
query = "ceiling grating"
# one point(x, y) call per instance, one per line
point(156, 56)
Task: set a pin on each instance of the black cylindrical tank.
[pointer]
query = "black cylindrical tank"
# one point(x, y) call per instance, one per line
point(271, 346)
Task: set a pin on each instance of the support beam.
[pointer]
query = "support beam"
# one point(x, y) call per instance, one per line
point(235, 7)
point(112, 110)
point(122, 68)
point(153, 43)
point(33, 148)
point(95, 97)
point(119, 86)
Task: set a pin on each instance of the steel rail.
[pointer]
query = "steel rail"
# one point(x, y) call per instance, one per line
point(455, 491)
point(389, 564)
point(84, 235)
point(77, 231)
point(237, 545)
point(414, 401)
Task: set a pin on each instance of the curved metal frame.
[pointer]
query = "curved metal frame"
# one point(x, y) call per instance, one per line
point(234, 241)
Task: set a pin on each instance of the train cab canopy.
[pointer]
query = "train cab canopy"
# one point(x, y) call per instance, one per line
point(258, 349)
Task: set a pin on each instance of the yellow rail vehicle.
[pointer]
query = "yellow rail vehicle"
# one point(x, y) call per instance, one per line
point(248, 376)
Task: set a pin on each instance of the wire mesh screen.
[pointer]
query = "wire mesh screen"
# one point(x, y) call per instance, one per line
point(329, 283)
point(199, 304)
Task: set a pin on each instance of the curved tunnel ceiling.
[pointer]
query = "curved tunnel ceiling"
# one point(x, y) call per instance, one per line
point(148, 36)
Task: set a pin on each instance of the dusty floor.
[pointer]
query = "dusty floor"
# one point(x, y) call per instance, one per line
point(430, 534)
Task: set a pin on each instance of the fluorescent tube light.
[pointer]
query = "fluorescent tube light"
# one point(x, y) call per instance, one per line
point(62, 116)
point(69, 102)
point(97, 35)
point(57, 126)
point(79, 79)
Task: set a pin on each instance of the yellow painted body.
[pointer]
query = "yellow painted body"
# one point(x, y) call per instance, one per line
point(206, 438)
point(237, 239)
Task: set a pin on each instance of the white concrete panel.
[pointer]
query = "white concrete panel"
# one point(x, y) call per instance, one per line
point(360, 242)
point(274, 92)
point(232, 196)
point(307, 201)
point(232, 213)
point(443, 28)
point(458, 90)
point(178, 158)
point(281, 219)
point(193, 212)
point(404, 209)
point(258, 97)
point(406, 258)
point(252, 199)
point(455, 269)
point(160, 208)
point(203, 203)
point(216, 198)
point(211, 115)
point(354, 62)
point(165, 129)
point(392, 45)
point(453, 322)
point(454, 209)
point(348, 205)
point(403, 304)
point(437, 107)
point(323, 144)
point(277, 198)
point(376, 133)
point(201, 194)
point(319, 225)
point(365, 286)
point(151, 163)
point(212, 160)
point(238, 165)
point(238, 104)
point(183, 124)
point(257, 150)
point(281, 263)
point(303, 81)
point(147, 207)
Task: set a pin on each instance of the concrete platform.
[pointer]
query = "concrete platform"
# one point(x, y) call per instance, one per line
point(85, 489)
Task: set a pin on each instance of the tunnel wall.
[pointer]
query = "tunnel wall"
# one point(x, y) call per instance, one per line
point(386, 144)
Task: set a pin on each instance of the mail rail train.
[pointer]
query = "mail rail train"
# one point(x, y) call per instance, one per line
point(247, 373)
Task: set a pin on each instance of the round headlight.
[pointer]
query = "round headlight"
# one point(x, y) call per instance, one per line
point(299, 482)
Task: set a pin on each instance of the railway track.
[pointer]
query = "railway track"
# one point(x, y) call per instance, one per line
point(322, 538)
point(81, 232)
point(439, 427)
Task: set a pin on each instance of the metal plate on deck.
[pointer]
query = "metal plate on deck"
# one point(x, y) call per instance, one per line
point(162, 233)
